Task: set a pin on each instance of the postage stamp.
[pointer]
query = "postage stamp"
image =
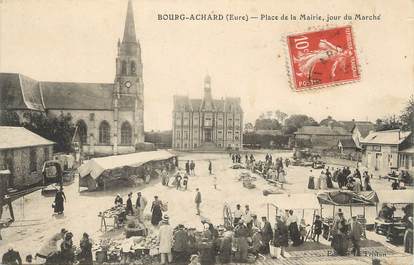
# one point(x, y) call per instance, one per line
point(322, 58)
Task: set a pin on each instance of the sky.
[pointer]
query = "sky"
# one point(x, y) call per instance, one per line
point(75, 41)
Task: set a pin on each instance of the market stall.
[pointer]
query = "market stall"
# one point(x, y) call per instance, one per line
point(112, 217)
point(399, 203)
point(136, 168)
point(298, 202)
point(345, 199)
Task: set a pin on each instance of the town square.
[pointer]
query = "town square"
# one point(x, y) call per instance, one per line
point(192, 151)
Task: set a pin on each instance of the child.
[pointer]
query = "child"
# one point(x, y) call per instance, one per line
point(185, 181)
point(302, 230)
point(317, 228)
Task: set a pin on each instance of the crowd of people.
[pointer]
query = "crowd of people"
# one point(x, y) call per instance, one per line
point(59, 249)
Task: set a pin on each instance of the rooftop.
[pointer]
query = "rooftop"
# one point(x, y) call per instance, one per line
point(18, 137)
point(322, 130)
point(391, 137)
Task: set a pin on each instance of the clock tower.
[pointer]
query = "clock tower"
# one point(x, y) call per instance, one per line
point(129, 87)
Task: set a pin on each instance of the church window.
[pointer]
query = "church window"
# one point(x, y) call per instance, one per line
point(104, 133)
point(82, 131)
point(133, 68)
point(123, 68)
point(177, 134)
point(126, 133)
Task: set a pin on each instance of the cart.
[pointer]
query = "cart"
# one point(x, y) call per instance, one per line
point(345, 199)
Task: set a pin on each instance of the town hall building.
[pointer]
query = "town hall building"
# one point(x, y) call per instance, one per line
point(207, 123)
point(109, 117)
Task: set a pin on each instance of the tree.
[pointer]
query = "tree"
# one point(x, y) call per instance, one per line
point(267, 124)
point(407, 115)
point(294, 122)
point(280, 116)
point(9, 118)
point(248, 127)
point(59, 129)
point(388, 123)
point(329, 121)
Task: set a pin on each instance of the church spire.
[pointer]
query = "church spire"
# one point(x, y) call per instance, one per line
point(129, 30)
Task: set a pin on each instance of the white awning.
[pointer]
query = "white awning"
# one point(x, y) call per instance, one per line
point(294, 201)
point(96, 166)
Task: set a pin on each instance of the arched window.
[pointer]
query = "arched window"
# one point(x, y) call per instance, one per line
point(123, 68)
point(126, 133)
point(104, 133)
point(82, 130)
point(133, 68)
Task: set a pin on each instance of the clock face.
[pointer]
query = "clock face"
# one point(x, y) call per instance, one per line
point(128, 84)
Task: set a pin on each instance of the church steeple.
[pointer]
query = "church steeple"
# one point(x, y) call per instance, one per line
point(129, 30)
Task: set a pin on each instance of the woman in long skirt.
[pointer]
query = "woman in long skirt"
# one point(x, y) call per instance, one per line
point(156, 211)
point(60, 198)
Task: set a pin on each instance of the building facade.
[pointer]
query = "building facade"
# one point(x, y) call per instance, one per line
point(382, 150)
point(23, 154)
point(109, 116)
point(207, 123)
point(321, 137)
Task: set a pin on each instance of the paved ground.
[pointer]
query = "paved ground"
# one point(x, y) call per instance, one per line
point(35, 222)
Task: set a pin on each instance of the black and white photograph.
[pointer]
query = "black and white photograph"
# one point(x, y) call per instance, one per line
point(206, 132)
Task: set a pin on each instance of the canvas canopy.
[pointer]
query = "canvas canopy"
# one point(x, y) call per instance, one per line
point(348, 198)
point(96, 166)
point(294, 201)
point(396, 196)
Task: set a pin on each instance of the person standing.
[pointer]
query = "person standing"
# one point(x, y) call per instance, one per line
point(187, 167)
point(60, 199)
point(67, 253)
point(129, 209)
point(178, 179)
point(185, 181)
point(241, 232)
point(355, 234)
point(192, 168)
point(238, 214)
point(180, 244)
point(317, 228)
point(408, 236)
point(140, 206)
point(293, 228)
point(198, 201)
point(247, 217)
point(11, 257)
point(156, 211)
point(267, 234)
point(165, 237)
point(210, 167)
point(281, 236)
point(85, 256)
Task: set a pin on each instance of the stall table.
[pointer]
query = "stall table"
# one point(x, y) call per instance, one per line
point(116, 214)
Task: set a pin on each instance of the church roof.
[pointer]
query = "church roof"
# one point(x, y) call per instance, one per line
point(77, 96)
point(129, 30)
point(19, 92)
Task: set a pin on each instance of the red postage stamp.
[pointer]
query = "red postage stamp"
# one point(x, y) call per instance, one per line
point(322, 58)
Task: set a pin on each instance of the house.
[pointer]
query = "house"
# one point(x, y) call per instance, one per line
point(347, 146)
point(207, 123)
point(359, 129)
point(321, 137)
point(382, 150)
point(23, 153)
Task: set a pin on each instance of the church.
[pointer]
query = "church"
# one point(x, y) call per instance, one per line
point(207, 124)
point(109, 117)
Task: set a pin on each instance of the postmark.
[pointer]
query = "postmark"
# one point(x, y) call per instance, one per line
point(322, 58)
